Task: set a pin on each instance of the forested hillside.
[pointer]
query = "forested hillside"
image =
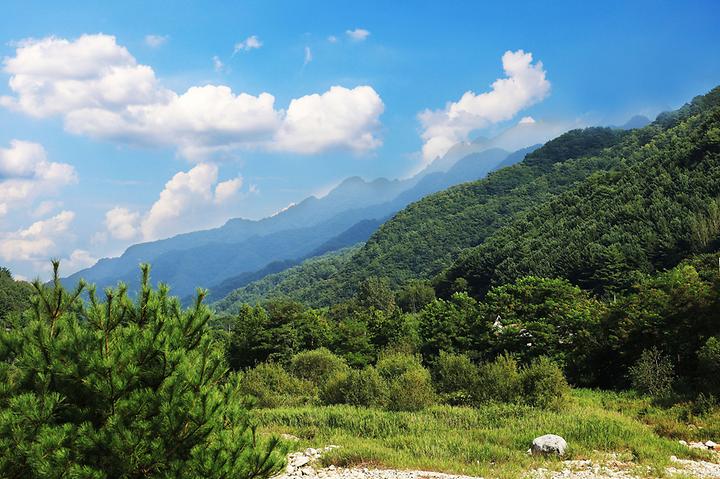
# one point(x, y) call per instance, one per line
point(663, 206)
point(425, 237)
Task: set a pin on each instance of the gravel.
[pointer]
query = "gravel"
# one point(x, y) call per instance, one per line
point(300, 467)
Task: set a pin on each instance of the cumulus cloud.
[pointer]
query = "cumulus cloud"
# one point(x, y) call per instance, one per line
point(359, 34)
point(26, 173)
point(250, 43)
point(122, 223)
point(155, 41)
point(339, 118)
point(36, 242)
point(190, 200)
point(227, 189)
point(77, 260)
point(524, 85)
point(100, 91)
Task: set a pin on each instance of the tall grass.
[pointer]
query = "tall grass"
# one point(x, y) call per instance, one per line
point(490, 441)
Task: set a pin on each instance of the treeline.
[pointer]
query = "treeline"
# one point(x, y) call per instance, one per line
point(596, 342)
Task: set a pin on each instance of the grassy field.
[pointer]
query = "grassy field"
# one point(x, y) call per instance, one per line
point(492, 441)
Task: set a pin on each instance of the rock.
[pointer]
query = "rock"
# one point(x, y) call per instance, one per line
point(548, 444)
point(697, 445)
point(683, 443)
point(289, 437)
point(307, 471)
point(710, 445)
point(300, 461)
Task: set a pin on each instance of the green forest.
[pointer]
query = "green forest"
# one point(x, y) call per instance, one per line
point(582, 282)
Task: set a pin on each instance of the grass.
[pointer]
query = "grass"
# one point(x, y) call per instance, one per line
point(490, 441)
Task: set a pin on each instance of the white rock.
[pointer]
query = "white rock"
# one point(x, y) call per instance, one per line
point(710, 445)
point(549, 444)
point(300, 461)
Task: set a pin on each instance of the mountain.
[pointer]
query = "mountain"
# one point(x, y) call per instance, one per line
point(426, 236)
point(599, 206)
point(357, 233)
point(297, 282)
point(243, 248)
point(637, 121)
point(661, 205)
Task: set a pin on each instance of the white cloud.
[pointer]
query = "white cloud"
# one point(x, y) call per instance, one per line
point(155, 41)
point(524, 85)
point(339, 118)
point(78, 259)
point(46, 207)
point(250, 43)
point(308, 56)
point(359, 34)
point(526, 120)
point(217, 64)
point(122, 223)
point(26, 173)
point(227, 189)
point(101, 91)
point(37, 242)
point(332, 39)
point(190, 200)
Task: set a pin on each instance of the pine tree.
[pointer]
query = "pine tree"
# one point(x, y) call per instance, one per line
point(122, 389)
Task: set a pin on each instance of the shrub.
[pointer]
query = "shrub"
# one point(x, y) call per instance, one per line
point(358, 387)
point(272, 386)
point(392, 365)
point(317, 365)
point(653, 374)
point(455, 378)
point(499, 381)
point(411, 391)
point(544, 384)
point(709, 367)
point(122, 388)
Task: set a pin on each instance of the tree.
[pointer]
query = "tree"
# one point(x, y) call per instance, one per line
point(122, 388)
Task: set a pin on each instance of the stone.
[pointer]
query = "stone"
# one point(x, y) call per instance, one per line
point(300, 461)
point(548, 444)
point(710, 445)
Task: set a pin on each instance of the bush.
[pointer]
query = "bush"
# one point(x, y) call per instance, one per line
point(455, 378)
point(358, 387)
point(392, 365)
point(122, 388)
point(272, 386)
point(709, 367)
point(544, 384)
point(317, 365)
point(411, 391)
point(499, 381)
point(653, 374)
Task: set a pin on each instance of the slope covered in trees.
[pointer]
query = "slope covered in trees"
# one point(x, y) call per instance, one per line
point(428, 236)
point(661, 206)
point(425, 237)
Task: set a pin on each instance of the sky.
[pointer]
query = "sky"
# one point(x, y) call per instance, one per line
point(123, 122)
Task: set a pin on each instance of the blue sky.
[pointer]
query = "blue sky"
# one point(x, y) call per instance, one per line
point(109, 150)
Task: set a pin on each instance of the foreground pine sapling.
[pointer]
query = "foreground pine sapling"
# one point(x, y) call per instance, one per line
point(122, 388)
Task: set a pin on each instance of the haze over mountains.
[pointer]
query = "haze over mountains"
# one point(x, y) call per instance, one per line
point(229, 256)
point(242, 251)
